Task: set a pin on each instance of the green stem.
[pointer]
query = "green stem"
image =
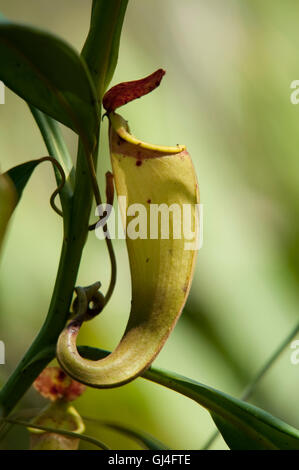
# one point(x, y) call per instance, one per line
point(101, 62)
point(72, 248)
point(63, 432)
point(247, 393)
point(76, 229)
point(251, 387)
point(104, 59)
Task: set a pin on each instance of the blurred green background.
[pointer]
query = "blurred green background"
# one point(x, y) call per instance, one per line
point(226, 96)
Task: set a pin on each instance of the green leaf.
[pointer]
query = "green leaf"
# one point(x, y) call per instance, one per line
point(242, 425)
point(55, 144)
point(63, 432)
point(20, 175)
point(142, 437)
point(145, 439)
point(57, 148)
point(49, 74)
point(8, 201)
point(102, 44)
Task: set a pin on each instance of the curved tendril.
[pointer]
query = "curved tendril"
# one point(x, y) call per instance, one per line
point(98, 199)
point(60, 186)
point(109, 202)
point(88, 303)
point(109, 197)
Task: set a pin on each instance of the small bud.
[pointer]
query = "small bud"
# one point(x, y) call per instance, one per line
point(54, 384)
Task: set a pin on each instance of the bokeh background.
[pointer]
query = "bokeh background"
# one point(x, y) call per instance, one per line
point(226, 95)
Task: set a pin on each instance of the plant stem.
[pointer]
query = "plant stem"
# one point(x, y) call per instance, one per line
point(264, 369)
point(76, 229)
point(251, 387)
point(102, 60)
point(63, 432)
point(72, 247)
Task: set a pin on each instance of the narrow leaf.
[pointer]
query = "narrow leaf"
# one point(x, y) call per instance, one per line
point(55, 144)
point(8, 201)
point(20, 175)
point(142, 437)
point(57, 148)
point(242, 425)
point(102, 44)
